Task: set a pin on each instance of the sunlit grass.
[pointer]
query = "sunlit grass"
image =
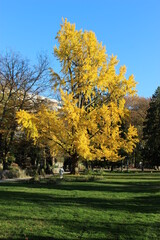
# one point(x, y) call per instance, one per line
point(114, 206)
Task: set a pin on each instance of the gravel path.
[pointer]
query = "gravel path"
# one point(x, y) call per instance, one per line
point(15, 179)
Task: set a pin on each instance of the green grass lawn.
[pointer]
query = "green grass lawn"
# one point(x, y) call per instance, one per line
point(115, 206)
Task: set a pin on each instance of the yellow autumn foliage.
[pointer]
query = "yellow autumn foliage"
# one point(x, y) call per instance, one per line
point(28, 122)
point(89, 123)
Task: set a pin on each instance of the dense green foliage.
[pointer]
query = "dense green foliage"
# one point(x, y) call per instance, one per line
point(114, 206)
point(152, 131)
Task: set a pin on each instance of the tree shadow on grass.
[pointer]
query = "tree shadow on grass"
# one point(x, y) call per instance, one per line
point(100, 231)
point(84, 229)
point(145, 204)
point(96, 185)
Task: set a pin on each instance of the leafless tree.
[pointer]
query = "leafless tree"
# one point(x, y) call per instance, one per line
point(20, 84)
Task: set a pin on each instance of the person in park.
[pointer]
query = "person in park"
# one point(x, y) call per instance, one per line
point(61, 171)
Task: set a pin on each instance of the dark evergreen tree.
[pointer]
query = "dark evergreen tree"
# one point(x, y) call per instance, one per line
point(151, 132)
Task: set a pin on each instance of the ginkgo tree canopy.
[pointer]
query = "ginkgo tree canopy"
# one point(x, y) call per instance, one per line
point(89, 123)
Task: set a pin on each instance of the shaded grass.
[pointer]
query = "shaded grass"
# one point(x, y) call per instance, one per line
point(116, 206)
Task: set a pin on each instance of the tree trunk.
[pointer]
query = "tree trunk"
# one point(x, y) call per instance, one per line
point(135, 162)
point(112, 167)
point(142, 166)
point(44, 160)
point(74, 164)
point(121, 165)
point(5, 165)
point(1, 149)
point(127, 165)
point(5, 147)
point(86, 163)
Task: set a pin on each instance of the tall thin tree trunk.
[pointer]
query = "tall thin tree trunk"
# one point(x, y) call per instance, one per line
point(112, 167)
point(121, 165)
point(127, 165)
point(5, 164)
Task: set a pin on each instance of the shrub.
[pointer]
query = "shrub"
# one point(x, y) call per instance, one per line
point(31, 171)
point(36, 177)
point(13, 172)
point(9, 174)
point(89, 172)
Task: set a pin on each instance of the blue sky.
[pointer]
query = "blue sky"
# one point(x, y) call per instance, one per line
point(130, 29)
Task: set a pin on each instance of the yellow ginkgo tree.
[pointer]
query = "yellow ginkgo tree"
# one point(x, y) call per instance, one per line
point(89, 123)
